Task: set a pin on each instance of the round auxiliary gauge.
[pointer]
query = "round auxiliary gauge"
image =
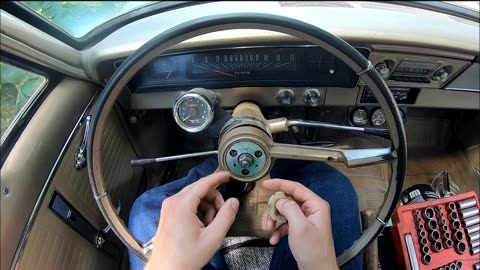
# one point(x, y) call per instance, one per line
point(378, 118)
point(193, 112)
point(360, 117)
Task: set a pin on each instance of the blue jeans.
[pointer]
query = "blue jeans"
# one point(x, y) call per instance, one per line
point(324, 180)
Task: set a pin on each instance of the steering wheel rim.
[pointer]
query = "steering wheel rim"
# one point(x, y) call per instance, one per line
point(334, 45)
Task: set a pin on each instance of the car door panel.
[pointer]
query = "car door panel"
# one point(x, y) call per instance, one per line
point(48, 242)
point(29, 162)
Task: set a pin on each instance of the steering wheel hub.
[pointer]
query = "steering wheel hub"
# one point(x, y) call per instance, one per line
point(245, 159)
point(243, 148)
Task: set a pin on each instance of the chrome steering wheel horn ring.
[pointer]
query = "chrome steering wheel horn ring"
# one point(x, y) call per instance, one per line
point(334, 45)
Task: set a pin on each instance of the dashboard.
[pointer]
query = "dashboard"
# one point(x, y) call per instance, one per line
point(305, 75)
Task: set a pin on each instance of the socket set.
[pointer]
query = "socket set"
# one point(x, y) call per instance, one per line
point(441, 234)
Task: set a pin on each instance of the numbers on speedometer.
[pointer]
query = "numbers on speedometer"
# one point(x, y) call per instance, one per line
point(193, 111)
point(243, 63)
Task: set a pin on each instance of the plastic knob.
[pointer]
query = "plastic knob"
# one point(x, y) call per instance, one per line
point(383, 69)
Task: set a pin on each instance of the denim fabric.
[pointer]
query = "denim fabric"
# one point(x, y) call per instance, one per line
point(324, 180)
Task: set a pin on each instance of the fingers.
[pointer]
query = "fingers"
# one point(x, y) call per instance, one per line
point(215, 198)
point(298, 191)
point(207, 212)
point(267, 222)
point(291, 211)
point(198, 190)
point(278, 233)
point(218, 228)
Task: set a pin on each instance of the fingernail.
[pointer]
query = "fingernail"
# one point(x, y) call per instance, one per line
point(280, 202)
point(234, 203)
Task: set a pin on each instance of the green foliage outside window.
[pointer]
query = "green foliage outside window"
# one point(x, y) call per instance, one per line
point(77, 18)
point(17, 86)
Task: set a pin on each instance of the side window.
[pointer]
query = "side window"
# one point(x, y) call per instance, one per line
point(18, 89)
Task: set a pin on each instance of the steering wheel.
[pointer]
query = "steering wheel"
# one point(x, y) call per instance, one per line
point(249, 126)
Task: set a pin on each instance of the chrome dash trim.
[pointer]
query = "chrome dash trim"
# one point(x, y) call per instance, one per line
point(28, 227)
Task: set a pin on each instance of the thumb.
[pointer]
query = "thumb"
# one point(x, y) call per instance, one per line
point(291, 211)
point(217, 230)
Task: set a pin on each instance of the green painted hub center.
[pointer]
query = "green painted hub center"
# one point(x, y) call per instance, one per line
point(245, 159)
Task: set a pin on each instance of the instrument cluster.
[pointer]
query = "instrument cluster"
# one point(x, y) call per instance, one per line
point(300, 66)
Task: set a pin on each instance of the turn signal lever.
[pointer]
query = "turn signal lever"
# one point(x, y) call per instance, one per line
point(282, 125)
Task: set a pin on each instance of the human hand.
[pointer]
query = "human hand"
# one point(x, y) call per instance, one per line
point(193, 224)
point(309, 226)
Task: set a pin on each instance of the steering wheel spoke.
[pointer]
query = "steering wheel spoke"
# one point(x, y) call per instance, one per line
point(349, 157)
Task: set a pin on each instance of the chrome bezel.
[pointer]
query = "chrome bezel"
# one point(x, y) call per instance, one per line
point(371, 117)
point(352, 117)
point(209, 116)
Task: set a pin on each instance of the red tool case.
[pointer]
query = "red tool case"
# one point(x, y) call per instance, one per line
point(405, 222)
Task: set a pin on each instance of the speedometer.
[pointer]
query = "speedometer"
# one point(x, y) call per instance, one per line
point(238, 64)
point(193, 111)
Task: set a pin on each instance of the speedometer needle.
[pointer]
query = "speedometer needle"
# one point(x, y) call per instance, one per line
point(186, 118)
point(170, 72)
point(224, 73)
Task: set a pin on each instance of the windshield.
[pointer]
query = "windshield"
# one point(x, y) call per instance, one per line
point(78, 18)
point(473, 5)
